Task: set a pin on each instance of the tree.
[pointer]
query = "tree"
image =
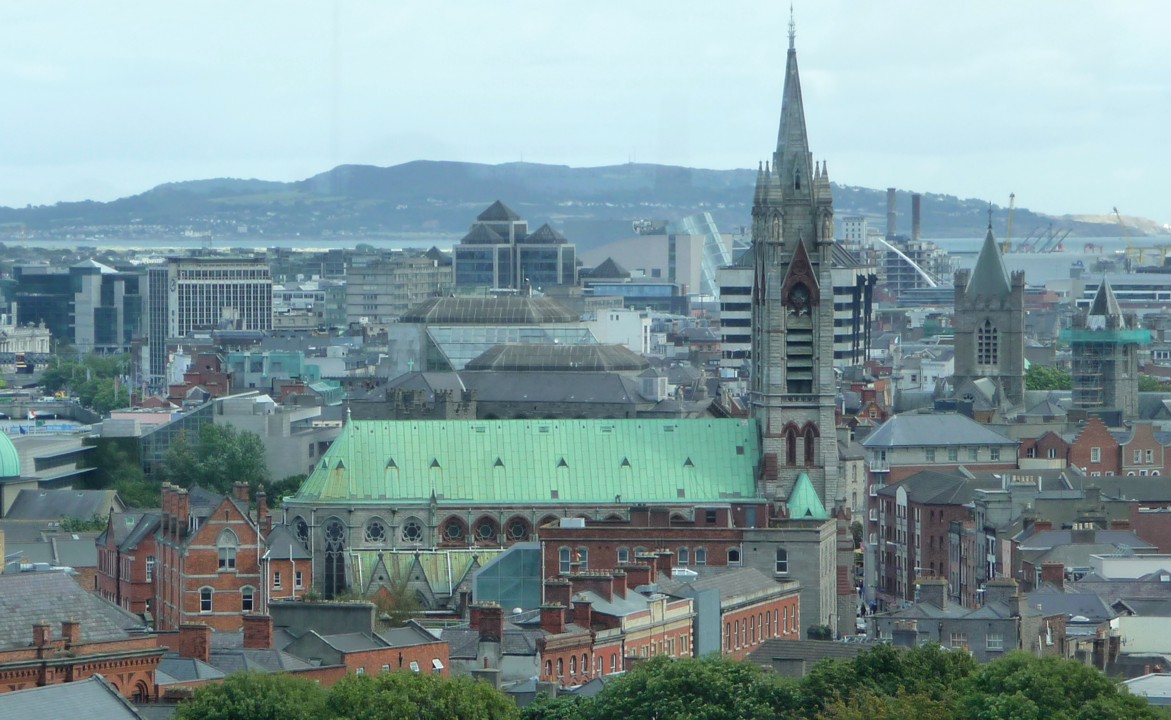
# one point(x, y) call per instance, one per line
point(219, 457)
point(1150, 383)
point(257, 697)
point(395, 695)
point(711, 688)
point(1039, 377)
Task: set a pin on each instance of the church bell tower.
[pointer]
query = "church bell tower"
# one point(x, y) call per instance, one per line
point(792, 388)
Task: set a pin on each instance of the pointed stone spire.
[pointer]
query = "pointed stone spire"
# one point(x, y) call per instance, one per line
point(989, 278)
point(761, 181)
point(791, 159)
point(1105, 304)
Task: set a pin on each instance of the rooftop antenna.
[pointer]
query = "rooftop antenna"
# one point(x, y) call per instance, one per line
point(792, 28)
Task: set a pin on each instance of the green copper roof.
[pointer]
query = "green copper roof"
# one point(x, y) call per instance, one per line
point(989, 277)
point(537, 462)
point(9, 457)
point(803, 501)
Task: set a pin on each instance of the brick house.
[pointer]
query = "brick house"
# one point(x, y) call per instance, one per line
point(94, 637)
point(1095, 449)
point(209, 559)
point(1141, 450)
point(128, 560)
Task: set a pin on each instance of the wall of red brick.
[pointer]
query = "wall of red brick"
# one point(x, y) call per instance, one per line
point(1095, 434)
point(744, 629)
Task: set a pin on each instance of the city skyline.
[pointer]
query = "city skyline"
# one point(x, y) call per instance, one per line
point(1061, 104)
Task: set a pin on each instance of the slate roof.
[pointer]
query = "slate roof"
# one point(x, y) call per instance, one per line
point(283, 545)
point(463, 642)
point(811, 651)
point(931, 429)
point(263, 660)
point(52, 504)
point(989, 278)
point(1047, 539)
point(732, 583)
point(1049, 407)
point(933, 487)
point(92, 699)
point(58, 550)
point(498, 310)
point(32, 597)
point(1071, 604)
point(553, 387)
point(498, 212)
point(554, 358)
point(173, 669)
point(410, 634)
point(537, 462)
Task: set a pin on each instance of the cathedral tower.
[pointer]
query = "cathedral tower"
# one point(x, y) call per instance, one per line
point(792, 387)
point(1104, 345)
point(989, 324)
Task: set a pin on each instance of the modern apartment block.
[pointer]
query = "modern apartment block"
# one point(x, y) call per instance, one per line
point(203, 293)
point(382, 291)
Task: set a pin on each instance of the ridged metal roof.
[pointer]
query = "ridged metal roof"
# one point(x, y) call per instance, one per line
point(537, 462)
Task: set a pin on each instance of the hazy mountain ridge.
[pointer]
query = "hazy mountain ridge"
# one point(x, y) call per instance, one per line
point(445, 197)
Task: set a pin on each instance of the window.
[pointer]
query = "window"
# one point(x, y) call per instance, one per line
point(736, 632)
point(573, 665)
point(1150, 456)
point(701, 556)
point(727, 635)
point(548, 668)
point(623, 555)
point(930, 454)
point(959, 641)
point(987, 345)
point(782, 566)
point(1052, 453)
point(785, 618)
point(973, 454)
point(953, 454)
point(1031, 452)
point(995, 641)
point(752, 630)
point(994, 453)
point(247, 599)
point(614, 662)
point(205, 599)
point(564, 557)
point(560, 667)
point(150, 568)
point(385, 668)
point(709, 517)
point(298, 580)
point(227, 544)
point(583, 557)
point(1095, 454)
point(412, 531)
point(684, 556)
point(375, 532)
point(734, 557)
point(276, 580)
point(1138, 456)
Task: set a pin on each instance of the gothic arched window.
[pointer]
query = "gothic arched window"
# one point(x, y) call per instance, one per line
point(335, 561)
point(375, 532)
point(412, 531)
point(987, 345)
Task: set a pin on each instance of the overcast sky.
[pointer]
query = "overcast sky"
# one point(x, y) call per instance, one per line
point(1065, 103)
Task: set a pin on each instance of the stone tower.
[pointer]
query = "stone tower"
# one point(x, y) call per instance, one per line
point(1104, 346)
point(989, 324)
point(792, 386)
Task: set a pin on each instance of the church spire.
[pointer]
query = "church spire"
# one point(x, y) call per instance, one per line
point(792, 161)
point(792, 29)
point(989, 278)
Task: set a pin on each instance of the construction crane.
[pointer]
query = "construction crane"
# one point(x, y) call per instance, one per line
point(1132, 253)
point(1006, 246)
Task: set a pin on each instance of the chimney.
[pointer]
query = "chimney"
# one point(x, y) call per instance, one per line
point(1000, 590)
point(195, 642)
point(1093, 495)
point(664, 563)
point(240, 491)
point(636, 575)
point(916, 215)
point(1120, 524)
point(71, 632)
point(42, 634)
point(258, 632)
point(651, 560)
point(263, 517)
point(1042, 525)
point(1054, 574)
point(933, 590)
point(890, 213)
point(619, 583)
point(600, 582)
point(557, 590)
point(182, 509)
point(553, 618)
point(583, 613)
point(488, 619)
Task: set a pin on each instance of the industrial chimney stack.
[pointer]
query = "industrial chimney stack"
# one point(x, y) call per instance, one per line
point(890, 214)
point(916, 215)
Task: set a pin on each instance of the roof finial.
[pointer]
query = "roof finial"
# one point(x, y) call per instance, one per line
point(989, 215)
point(792, 29)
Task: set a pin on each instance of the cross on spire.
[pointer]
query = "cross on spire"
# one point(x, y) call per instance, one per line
point(792, 29)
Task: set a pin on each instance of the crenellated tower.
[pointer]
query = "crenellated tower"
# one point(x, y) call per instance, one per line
point(792, 388)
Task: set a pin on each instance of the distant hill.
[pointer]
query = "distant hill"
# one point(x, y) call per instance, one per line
point(425, 197)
